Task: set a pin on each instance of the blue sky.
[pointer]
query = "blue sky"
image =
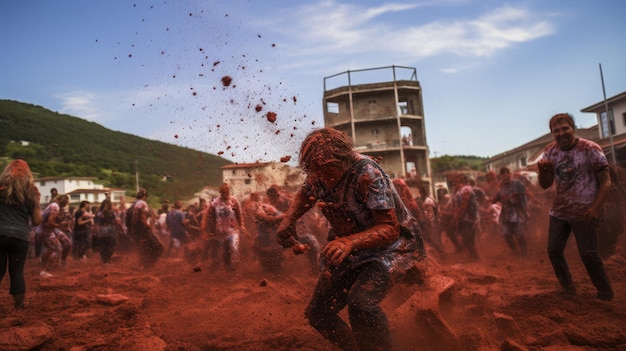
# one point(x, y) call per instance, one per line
point(492, 72)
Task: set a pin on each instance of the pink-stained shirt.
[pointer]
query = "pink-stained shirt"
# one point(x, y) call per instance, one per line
point(575, 177)
point(141, 205)
point(226, 216)
point(430, 208)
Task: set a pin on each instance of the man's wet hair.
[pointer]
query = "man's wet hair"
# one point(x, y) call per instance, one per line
point(104, 204)
point(562, 117)
point(325, 143)
point(272, 190)
point(461, 177)
point(62, 199)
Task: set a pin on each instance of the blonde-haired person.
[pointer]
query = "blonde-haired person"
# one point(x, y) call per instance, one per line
point(19, 209)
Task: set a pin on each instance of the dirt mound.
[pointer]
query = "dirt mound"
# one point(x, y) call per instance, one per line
point(500, 302)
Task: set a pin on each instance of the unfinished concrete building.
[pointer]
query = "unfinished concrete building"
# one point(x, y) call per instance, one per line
point(382, 110)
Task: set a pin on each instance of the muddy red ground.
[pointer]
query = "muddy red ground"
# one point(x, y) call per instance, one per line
point(499, 300)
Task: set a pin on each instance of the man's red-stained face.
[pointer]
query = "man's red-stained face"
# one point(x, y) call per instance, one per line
point(564, 135)
point(506, 177)
point(224, 191)
point(328, 170)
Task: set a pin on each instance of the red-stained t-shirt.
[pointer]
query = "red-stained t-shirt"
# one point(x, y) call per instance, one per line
point(226, 216)
point(575, 177)
point(348, 208)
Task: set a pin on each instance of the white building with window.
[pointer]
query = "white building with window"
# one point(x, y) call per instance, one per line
point(78, 189)
point(617, 113)
point(611, 126)
point(245, 178)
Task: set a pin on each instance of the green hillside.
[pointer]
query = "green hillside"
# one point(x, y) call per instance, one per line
point(63, 145)
point(441, 165)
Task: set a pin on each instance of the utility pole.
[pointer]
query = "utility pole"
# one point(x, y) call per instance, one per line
point(609, 117)
point(136, 177)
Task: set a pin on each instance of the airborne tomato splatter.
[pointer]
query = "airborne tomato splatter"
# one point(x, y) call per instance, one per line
point(258, 108)
point(226, 80)
point(271, 116)
point(285, 159)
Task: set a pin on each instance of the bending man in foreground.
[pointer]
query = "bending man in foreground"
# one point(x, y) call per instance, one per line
point(582, 177)
point(368, 247)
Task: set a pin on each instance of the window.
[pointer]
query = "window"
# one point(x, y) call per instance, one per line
point(407, 136)
point(247, 181)
point(404, 107)
point(624, 118)
point(606, 122)
point(42, 183)
point(522, 161)
point(332, 107)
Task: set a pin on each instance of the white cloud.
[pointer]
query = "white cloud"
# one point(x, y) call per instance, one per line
point(81, 104)
point(502, 28)
point(329, 29)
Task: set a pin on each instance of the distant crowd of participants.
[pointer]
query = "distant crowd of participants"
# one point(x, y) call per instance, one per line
point(208, 234)
point(222, 231)
point(503, 208)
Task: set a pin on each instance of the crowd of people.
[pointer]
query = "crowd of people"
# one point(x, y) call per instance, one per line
point(202, 232)
point(205, 232)
point(504, 207)
point(361, 230)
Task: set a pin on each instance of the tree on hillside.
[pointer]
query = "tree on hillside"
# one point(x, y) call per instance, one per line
point(440, 165)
